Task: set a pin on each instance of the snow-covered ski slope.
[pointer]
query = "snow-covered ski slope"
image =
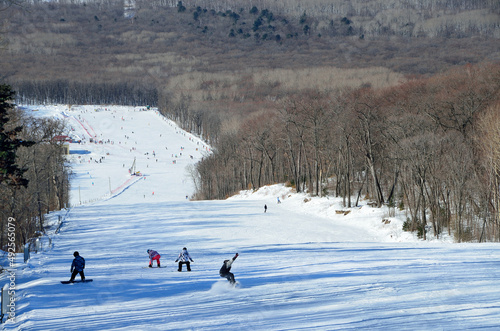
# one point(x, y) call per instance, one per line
point(302, 265)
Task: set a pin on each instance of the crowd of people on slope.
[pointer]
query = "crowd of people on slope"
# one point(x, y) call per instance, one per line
point(184, 258)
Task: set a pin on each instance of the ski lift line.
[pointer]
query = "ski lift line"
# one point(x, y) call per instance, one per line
point(127, 182)
point(117, 191)
point(125, 186)
point(90, 126)
point(83, 126)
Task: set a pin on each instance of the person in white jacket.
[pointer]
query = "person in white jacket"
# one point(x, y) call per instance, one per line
point(225, 270)
point(184, 258)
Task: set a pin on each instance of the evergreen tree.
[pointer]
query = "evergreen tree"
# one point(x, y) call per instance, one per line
point(180, 7)
point(303, 18)
point(10, 173)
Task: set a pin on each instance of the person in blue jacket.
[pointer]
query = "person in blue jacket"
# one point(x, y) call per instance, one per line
point(77, 267)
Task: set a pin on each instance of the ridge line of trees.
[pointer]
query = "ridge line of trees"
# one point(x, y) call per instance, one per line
point(63, 91)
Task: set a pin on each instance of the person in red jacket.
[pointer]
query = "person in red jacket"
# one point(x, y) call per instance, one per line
point(153, 255)
point(225, 271)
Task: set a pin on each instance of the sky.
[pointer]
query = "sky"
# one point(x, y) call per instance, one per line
point(304, 264)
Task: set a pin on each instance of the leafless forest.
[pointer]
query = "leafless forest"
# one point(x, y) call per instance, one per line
point(428, 146)
point(43, 185)
point(394, 101)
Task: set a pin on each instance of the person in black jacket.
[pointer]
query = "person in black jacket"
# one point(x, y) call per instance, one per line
point(225, 271)
point(77, 267)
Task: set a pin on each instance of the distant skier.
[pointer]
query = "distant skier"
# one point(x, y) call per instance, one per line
point(153, 255)
point(184, 258)
point(265, 208)
point(225, 271)
point(77, 267)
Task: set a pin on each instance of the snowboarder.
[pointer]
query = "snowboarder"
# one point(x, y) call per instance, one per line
point(184, 258)
point(77, 267)
point(153, 255)
point(225, 270)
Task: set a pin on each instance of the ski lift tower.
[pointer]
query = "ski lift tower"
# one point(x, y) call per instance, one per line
point(131, 170)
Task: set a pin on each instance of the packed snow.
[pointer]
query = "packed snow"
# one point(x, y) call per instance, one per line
point(307, 263)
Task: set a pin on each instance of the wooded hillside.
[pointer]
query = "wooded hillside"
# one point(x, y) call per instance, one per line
point(144, 45)
point(352, 98)
point(427, 146)
point(34, 178)
point(210, 63)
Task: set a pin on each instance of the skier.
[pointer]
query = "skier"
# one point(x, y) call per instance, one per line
point(153, 255)
point(77, 267)
point(184, 258)
point(265, 208)
point(225, 270)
